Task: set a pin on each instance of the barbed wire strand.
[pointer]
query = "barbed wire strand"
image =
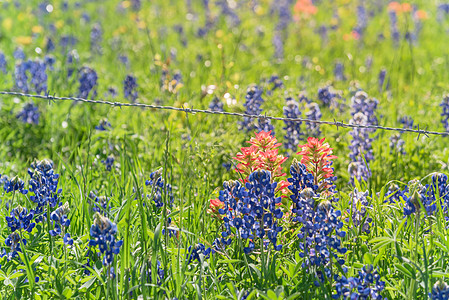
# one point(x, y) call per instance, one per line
point(241, 115)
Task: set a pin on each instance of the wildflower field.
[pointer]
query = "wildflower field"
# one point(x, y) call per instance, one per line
point(139, 159)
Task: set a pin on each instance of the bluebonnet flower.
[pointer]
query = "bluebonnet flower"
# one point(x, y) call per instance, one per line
point(102, 234)
point(3, 64)
point(359, 211)
point(19, 54)
point(108, 162)
point(216, 104)
point(275, 82)
point(160, 273)
point(180, 30)
point(229, 12)
point(362, 20)
point(440, 289)
point(130, 88)
point(330, 97)
point(313, 113)
point(136, 4)
point(159, 190)
point(321, 231)
point(193, 253)
point(293, 129)
point(68, 41)
point(445, 114)
point(382, 75)
point(15, 184)
point(278, 44)
point(339, 71)
point(20, 219)
point(171, 85)
point(50, 45)
point(60, 221)
point(363, 112)
point(29, 114)
point(397, 144)
point(101, 203)
point(103, 125)
point(250, 211)
point(407, 122)
point(88, 83)
point(253, 102)
point(13, 241)
point(394, 31)
point(442, 11)
point(367, 285)
point(21, 77)
point(96, 35)
point(124, 60)
point(72, 59)
point(323, 32)
point(111, 92)
point(44, 186)
point(49, 61)
point(38, 72)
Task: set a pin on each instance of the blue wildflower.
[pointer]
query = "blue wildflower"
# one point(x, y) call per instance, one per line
point(216, 104)
point(440, 289)
point(3, 64)
point(108, 162)
point(130, 88)
point(20, 219)
point(19, 54)
point(445, 114)
point(359, 211)
point(313, 113)
point(103, 234)
point(96, 35)
point(194, 253)
point(250, 211)
point(13, 241)
point(60, 222)
point(103, 125)
point(88, 83)
point(160, 190)
point(339, 71)
point(367, 285)
point(15, 184)
point(394, 31)
point(292, 128)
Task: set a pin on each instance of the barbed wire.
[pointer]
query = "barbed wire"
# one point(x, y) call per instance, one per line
point(338, 124)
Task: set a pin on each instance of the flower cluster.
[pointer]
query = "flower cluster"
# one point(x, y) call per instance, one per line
point(108, 162)
point(445, 114)
point(293, 129)
point(3, 64)
point(382, 75)
point(330, 97)
point(216, 104)
point(44, 186)
point(160, 191)
point(29, 114)
point(250, 211)
point(317, 157)
point(13, 241)
point(102, 234)
point(440, 289)
point(103, 125)
point(129, 88)
point(15, 184)
point(262, 154)
point(321, 230)
point(275, 82)
point(193, 253)
point(96, 35)
point(160, 273)
point(253, 104)
point(170, 83)
point(37, 72)
point(363, 113)
point(365, 286)
point(313, 113)
point(20, 219)
point(59, 218)
point(358, 211)
point(88, 83)
point(101, 203)
point(339, 71)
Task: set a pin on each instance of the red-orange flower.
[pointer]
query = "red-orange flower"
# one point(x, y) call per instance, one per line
point(317, 157)
point(215, 205)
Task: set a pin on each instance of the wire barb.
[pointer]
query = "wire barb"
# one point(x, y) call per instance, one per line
point(338, 124)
